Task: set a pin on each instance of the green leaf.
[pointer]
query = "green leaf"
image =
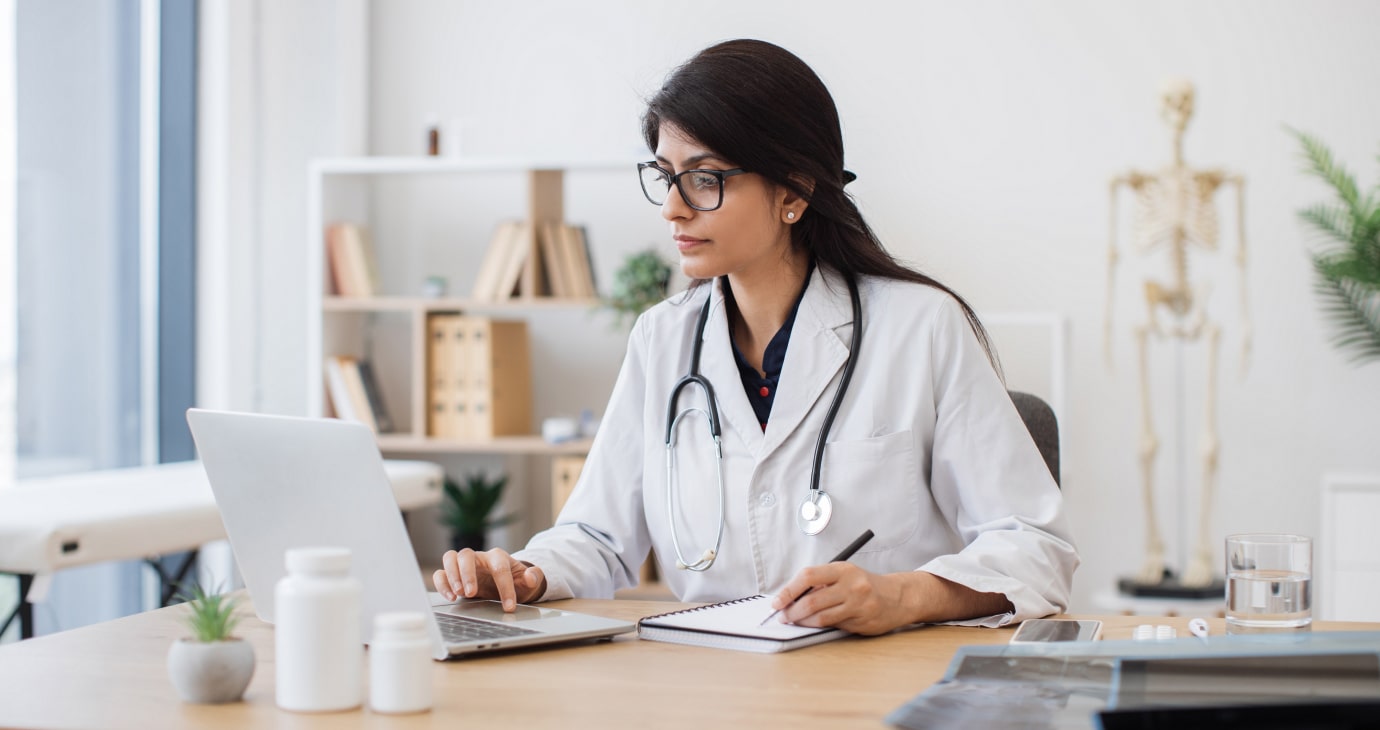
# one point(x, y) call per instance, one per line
point(1322, 164)
point(1347, 265)
point(210, 617)
point(467, 506)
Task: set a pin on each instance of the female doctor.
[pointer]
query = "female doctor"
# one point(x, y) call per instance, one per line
point(849, 393)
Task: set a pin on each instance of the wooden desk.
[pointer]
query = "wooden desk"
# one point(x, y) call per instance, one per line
point(113, 675)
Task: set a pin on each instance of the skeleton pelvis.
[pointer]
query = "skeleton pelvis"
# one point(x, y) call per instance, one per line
point(1177, 300)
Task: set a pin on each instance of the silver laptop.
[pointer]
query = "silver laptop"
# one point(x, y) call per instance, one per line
point(285, 482)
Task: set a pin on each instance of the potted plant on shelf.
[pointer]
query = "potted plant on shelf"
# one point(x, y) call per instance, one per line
point(640, 283)
point(467, 508)
point(212, 666)
point(1347, 264)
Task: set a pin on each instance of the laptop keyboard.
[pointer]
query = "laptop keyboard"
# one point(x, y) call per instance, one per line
point(457, 629)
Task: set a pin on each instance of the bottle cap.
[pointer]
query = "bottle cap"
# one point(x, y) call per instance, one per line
point(399, 624)
point(318, 560)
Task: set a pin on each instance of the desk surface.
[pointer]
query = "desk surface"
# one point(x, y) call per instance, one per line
point(113, 675)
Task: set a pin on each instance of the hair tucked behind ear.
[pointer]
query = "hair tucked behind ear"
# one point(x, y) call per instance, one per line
point(760, 106)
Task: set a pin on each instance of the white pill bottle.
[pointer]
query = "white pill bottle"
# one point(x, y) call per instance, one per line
point(318, 650)
point(400, 664)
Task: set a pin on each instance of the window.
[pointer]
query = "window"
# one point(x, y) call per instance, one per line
point(104, 106)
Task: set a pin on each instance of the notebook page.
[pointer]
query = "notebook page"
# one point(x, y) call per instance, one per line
point(739, 618)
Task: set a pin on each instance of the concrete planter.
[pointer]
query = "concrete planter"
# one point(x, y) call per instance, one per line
point(210, 672)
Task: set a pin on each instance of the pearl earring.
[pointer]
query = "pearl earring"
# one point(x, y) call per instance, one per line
point(790, 215)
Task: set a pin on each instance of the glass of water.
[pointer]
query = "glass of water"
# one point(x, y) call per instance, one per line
point(1269, 583)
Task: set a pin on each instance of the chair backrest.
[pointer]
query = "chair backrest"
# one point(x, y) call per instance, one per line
point(1043, 427)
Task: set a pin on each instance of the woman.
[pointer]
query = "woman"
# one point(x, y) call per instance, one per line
point(924, 447)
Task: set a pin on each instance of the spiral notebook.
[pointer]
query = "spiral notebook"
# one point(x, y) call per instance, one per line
point(732, 625)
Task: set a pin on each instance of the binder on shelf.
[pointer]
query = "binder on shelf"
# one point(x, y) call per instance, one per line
point(500, 377)
point(479, 378)
point(440, 371)
point(459, 399)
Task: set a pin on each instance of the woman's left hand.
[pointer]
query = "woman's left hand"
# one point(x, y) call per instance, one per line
point(845, 596)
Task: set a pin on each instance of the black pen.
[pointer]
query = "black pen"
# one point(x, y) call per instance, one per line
point(844, 554)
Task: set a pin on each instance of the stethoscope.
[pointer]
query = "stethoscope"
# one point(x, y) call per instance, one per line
point(817, 508)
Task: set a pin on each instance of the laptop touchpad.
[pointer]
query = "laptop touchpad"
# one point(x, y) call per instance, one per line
point(493, 611)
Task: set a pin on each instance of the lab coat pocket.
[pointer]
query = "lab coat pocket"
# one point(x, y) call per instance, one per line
point(875, 485)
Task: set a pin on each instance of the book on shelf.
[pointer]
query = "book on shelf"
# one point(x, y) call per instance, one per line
point(542, 259)
point(500, 273)
point(733, 625)
point(350, 260)
point(479, 382)
point(349, 398)
point(553, 253)
point(578, 259)
point(374, 395)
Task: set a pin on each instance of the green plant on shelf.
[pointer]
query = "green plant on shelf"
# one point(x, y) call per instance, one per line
point(640, 283)
point(467, 508)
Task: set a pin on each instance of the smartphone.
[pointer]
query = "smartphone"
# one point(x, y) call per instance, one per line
point(1044, 630)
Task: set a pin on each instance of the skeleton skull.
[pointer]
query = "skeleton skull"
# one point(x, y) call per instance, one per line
point(1176, 102)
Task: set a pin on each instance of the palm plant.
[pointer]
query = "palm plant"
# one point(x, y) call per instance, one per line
point(1347, 263)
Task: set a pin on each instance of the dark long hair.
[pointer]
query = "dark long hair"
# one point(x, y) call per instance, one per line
point(762, 107)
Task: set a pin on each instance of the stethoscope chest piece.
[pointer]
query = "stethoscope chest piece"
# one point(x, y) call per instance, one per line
point(815, 512)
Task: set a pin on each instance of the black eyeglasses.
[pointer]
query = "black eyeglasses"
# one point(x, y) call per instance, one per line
point(700, 189)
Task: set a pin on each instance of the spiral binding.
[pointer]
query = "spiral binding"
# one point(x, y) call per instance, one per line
point(703, 608)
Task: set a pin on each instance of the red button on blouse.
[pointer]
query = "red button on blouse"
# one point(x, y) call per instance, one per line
point(764, 392)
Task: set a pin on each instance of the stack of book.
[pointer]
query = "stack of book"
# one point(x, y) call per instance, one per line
point(525, 259)
point(479, 378)
point(350, 258)
point(354, 393)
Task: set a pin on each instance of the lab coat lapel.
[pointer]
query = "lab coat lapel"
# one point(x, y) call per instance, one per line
point(815, 355)
point(721, 368)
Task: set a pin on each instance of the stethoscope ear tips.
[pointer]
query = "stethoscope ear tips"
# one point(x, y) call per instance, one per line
point(709, 555)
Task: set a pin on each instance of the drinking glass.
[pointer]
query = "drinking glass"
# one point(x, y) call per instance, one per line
point(1269, 583)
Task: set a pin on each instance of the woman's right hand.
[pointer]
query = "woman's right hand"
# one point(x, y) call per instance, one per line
point(492, 574)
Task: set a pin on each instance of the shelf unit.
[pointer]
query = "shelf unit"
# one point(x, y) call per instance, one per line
point(341, 189)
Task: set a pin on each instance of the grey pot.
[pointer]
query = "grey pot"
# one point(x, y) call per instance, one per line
point(210, 672)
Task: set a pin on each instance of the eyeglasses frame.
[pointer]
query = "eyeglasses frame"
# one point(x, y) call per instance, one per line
point(675, 180)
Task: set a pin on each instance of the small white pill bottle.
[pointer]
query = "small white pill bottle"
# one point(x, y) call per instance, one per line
point(400, 664)
point(318, 649)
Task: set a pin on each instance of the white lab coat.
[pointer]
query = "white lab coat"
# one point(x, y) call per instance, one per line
point(927, 451)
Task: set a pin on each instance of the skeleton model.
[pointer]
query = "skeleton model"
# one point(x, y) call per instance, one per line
point(1175, 212)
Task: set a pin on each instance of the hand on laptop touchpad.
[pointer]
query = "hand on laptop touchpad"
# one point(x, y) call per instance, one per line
point(493, 611)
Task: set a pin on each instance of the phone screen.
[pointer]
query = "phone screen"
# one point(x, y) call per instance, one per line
point(1043, 630)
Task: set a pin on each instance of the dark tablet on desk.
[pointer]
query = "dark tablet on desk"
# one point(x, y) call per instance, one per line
point(1216, 681)
point(1358, 715)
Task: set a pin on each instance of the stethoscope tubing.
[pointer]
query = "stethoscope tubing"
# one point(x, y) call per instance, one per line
point(711, 412)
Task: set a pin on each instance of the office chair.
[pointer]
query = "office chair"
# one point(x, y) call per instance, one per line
point(1043, 427)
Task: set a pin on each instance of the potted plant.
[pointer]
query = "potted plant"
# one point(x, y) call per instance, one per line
point(1346, 265)
point(640, 283)
point(467, 507)
point(211, 666)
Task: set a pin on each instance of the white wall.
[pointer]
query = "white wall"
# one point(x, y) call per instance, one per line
point(984, 134)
